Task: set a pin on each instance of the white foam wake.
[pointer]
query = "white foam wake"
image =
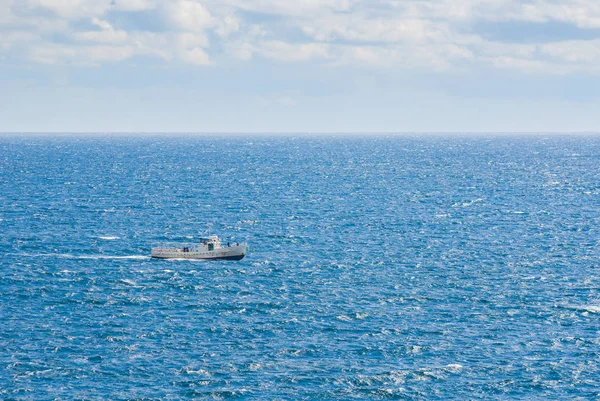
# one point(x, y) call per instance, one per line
point(137, 257)
point(71, 256)
point(584, 308)
point(587, 308)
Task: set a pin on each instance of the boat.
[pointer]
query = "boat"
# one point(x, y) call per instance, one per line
point(207, 248)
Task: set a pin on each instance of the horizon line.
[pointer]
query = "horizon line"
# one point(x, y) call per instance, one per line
point(299, 133)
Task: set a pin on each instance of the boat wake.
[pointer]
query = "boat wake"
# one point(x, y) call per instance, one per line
point(584, 308)
point(71, 256)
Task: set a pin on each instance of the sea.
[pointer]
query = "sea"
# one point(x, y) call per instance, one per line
point(414, 267)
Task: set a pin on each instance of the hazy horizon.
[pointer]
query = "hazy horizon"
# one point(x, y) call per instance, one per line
point(305, 134)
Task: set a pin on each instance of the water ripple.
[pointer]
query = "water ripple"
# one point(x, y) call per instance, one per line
point(397, 268)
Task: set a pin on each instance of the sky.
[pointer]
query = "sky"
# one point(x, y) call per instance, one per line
point(299, 66)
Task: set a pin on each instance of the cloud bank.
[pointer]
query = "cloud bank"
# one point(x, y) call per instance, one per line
point(533, 36)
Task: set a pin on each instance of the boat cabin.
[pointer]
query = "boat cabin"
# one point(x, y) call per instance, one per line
point(211, 242)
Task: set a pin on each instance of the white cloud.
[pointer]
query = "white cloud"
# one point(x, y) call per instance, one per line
point(227, 26)
point(189, 15)
point(278, 50)
point(190, 48)
point(51, 54)
point(282, 51)
point(153, 44)
point(103, 36)
point(96, 50)
point(363, 29)
point(196, 56)
point(107, 35)
point(424, 34)
point(582, 13)
point(240, 51)
point(192, 40)
point(134, 5)
point(302, 8)
point(6, 11)
point(99, 54)
point(84, 55)
point(71, 9)
point(8, 41)
point(526, 65)
point(575, 51)
point(187, 41)
point(435, 57)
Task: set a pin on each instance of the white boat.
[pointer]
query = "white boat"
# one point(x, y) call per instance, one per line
point(208, 248)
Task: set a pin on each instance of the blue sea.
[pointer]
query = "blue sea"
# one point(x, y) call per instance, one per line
point(406, 267)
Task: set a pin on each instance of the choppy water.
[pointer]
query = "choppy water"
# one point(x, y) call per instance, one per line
point(383, 268)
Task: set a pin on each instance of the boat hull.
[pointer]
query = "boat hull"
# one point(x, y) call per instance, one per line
point(232, 257)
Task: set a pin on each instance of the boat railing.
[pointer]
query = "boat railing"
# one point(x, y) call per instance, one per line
point(179, 246)
point(173, 245)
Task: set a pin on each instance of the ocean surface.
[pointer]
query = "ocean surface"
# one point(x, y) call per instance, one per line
point(428, 268)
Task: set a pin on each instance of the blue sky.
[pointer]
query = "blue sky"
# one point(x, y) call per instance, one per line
point(299, 66)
